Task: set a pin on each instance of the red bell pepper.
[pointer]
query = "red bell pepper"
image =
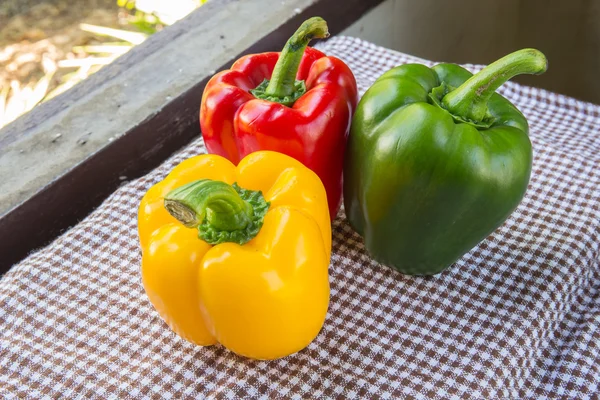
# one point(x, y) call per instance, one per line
point(298, 102)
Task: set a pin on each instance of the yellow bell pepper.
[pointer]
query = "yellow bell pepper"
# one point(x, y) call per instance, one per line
point(245, 266)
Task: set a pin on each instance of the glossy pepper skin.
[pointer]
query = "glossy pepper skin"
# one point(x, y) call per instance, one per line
point(436, 161)
point(264, 299)
point(237, 120)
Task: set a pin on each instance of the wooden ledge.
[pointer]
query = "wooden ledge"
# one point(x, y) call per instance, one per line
point(60, 161)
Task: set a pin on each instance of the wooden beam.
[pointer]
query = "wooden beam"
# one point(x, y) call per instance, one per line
point(62, 159)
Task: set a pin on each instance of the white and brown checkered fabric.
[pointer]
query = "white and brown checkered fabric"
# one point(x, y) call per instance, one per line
point(517, 317)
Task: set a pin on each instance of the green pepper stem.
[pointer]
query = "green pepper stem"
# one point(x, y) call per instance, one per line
point(470, 99)
point(221, 212)
point(283, 80)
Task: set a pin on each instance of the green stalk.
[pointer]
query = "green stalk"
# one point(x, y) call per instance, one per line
point(469, 100)
point(221, 212)
point(283, 87)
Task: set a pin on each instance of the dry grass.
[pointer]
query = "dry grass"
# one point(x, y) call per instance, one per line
point(36, 72)
point(16, 100)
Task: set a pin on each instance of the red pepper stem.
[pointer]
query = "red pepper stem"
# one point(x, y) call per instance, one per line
point(470, 99)
point(283, 80)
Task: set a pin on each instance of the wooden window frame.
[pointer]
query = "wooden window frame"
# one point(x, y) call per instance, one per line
point(67, 155)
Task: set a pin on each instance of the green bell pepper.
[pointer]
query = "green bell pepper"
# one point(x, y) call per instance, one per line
point(436, 161)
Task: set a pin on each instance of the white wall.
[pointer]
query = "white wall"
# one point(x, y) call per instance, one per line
point(480, 31)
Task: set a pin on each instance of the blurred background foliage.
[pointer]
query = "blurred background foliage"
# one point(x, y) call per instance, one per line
point(48, 47)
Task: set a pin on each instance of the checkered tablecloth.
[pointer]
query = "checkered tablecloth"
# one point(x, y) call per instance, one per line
point(517, 317)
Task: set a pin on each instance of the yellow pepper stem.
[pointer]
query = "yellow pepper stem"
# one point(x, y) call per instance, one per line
point(221, 212)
